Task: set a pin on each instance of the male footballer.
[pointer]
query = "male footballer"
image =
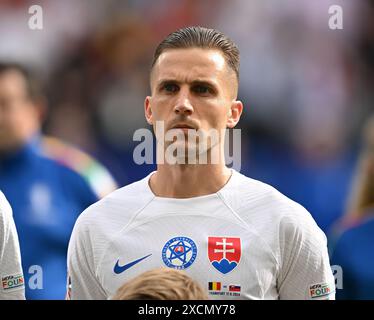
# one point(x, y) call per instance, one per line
point(237, 237)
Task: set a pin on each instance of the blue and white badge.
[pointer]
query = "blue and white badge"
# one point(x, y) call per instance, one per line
point(179, 253)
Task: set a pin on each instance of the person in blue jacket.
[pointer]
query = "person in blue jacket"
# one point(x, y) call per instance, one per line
point(47, 182)
point(353, 248)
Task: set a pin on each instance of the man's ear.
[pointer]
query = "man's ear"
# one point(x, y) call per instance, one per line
point(234, 113)
point(148, 110)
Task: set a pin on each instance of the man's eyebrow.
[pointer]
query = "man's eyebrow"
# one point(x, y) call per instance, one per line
point(163, 82)
point(203, 83)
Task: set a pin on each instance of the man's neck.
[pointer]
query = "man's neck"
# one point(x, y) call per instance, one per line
point(187, 181)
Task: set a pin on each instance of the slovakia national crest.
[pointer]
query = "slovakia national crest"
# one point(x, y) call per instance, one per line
point(179, 253)
point(224, 253)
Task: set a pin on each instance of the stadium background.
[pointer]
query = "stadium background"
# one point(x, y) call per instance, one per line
point(307, 90)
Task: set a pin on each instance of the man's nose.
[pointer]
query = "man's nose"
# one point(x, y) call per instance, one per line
point(183, 105)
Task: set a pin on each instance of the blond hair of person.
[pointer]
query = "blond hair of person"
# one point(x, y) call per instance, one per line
point(161, 284)
point(362, 194)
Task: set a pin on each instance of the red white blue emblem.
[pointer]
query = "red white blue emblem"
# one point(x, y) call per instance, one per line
point(224, 253)
point(179, 253)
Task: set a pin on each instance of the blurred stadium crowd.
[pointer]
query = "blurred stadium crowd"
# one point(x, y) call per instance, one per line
point(307, 90)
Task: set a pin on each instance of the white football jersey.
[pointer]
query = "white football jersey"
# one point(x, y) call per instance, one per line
point(12, 281)
point(247, 241)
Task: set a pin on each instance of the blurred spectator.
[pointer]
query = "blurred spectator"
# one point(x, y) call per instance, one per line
point(302, 84)
point(353, 249)
point(65, 25)
point(47, 182)
point(321, 186)
point(97, 88)
point(161, 284)
point(12, 280)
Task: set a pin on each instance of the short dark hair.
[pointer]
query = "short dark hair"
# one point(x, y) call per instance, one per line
point(200, 37)
point(33, 87)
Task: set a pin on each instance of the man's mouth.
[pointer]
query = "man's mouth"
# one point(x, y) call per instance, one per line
point(182, 126)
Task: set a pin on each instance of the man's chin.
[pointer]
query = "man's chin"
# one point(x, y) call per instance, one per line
point(185, 153)
point(181, 147)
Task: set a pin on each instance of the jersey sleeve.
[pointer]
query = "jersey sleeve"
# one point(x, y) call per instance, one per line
point(305, 272)
point(83, 283)
point(12, 280)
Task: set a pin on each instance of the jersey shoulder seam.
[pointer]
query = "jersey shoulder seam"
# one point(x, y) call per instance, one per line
point(252, 229)
point(110, 239)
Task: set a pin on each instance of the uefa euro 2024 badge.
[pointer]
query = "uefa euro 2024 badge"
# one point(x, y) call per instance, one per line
point(179, 253)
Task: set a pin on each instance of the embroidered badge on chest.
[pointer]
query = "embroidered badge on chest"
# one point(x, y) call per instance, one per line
point(224, 253)
point(179, 253)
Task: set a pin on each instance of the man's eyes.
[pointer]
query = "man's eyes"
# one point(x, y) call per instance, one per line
point(169, 87)
point(200, 89)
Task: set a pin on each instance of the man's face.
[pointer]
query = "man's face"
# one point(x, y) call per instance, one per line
point(193, 88)
point(18, 116)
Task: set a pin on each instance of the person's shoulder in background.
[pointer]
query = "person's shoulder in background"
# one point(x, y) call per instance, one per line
point(95, 174)
point(352, 250)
